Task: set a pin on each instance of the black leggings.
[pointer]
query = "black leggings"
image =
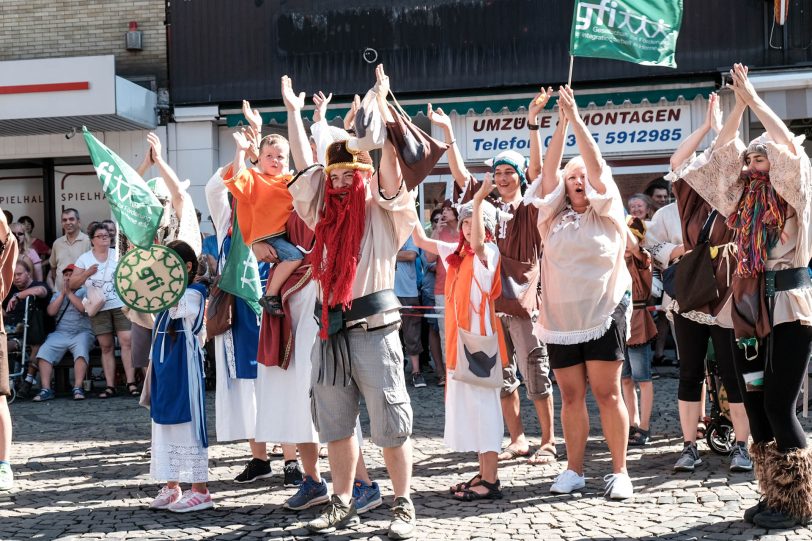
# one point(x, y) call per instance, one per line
point(692, 341)
point(772, 411)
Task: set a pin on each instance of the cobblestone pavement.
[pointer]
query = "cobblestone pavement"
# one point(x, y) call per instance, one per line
point(81, 473)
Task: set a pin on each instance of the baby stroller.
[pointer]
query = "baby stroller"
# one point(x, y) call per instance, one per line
point(719, 435)
point(18, 360)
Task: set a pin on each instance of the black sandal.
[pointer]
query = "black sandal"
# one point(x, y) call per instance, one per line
point(132, 388)
point(272, 304)
point(468, 495)
point(108, 392)
point(462, 487)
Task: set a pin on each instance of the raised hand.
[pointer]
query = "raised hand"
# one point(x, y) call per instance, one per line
point(241, 140)
point(154, 147)
point(253, 137)
point(251, 115)
point(485, 189)
point(741, 85)
point(293, 102)
point(538, 102)
point(438, 117)
point(566, 103)
point(382, 81)
point(321, 101)
point(349, 119)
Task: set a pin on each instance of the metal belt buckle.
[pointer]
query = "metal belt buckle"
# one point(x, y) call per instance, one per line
point(769, 279)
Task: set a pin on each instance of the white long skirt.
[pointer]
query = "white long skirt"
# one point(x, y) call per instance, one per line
point(283, 396)
point(473, 418)
point(235, 407)
point(177, 455)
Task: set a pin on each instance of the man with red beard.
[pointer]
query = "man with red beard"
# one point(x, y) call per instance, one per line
point(360, 220)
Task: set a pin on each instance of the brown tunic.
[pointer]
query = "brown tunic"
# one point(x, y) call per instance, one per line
point(694, 211)
point(519, 244)
point(643, 327)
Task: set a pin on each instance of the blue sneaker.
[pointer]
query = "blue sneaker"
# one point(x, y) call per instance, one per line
point(366, 496)
point(310, 493)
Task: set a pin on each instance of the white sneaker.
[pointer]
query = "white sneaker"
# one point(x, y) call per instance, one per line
point(6, 477)
point(166, 497)
point(191, 501)
point(566, 482)
point(618, 486)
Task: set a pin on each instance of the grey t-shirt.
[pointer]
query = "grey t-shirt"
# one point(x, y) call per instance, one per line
point(72, 321)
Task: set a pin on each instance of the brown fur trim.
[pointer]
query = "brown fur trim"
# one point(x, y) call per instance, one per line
point(759, 453)
point(789, 480)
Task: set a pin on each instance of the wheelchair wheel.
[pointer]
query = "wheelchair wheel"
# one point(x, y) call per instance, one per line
point(720, 437)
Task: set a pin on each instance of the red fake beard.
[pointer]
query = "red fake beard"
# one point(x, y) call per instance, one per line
point(338, 236)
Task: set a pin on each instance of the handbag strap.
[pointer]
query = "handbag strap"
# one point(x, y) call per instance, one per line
point(397, 105)
point(705, 233)
point(469, 304)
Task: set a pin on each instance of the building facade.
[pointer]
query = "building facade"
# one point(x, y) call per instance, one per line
point(480, 61)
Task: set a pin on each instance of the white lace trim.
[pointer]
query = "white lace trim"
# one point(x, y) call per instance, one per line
point(177, 458)
point(572, 337)
point(231, 359)
point(568, 217)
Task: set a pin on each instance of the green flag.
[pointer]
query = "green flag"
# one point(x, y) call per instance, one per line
point(240, 275)
point(640, 31)
point(137, 210)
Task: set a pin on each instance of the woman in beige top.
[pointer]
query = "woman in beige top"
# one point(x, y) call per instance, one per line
point(586, 299)
point(765, 191)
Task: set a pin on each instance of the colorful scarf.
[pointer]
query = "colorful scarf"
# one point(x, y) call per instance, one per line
point(757, 222)
point(339, 233)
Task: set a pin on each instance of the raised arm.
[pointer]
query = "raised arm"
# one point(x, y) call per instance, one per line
point(713, 120)
point(390, 177)
point(297, 137)
point(349, 118)
point(772, 123)
point(555, 152)
point(535, 107)
point(173, 184)
point(455, 160)
point(477, 221)
point(422, 241)
point(586, 144)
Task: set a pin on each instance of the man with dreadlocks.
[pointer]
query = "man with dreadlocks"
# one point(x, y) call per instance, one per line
point(765, 190)
point(360, 220)
point(520, 249)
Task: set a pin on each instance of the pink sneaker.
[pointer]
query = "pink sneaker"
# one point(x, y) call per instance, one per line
point(191, 501)
point(166, 497)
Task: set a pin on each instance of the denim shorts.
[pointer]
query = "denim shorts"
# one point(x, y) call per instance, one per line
point(637, 364)
point(285, 251)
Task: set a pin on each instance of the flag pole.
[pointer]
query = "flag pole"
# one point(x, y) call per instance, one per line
point(569, 77)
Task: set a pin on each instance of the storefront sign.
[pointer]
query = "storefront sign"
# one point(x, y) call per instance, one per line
point(618, 131)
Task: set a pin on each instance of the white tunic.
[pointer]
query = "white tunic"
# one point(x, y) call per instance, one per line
point(473, 414)
point(234, 402)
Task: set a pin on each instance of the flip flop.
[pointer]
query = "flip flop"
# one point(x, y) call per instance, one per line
point(276, 450)
point(544, 455)
point(511, 453)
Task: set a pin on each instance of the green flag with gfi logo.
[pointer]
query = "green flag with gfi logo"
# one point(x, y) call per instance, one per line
point(640, 31)
point(137, 210)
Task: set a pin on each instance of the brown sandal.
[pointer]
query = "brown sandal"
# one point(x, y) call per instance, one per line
point(108, 392)
point(544, 455)
point(462, 487)
point(494, 492)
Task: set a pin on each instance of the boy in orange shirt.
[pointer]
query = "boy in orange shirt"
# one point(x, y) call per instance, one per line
point(263, 207)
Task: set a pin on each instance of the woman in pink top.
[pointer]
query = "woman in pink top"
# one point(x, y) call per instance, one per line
point(586, 295)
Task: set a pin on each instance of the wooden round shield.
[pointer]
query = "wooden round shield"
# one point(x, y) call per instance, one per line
point(150, 280)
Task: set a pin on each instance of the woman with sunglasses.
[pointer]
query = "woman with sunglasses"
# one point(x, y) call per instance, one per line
point(96, 268)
